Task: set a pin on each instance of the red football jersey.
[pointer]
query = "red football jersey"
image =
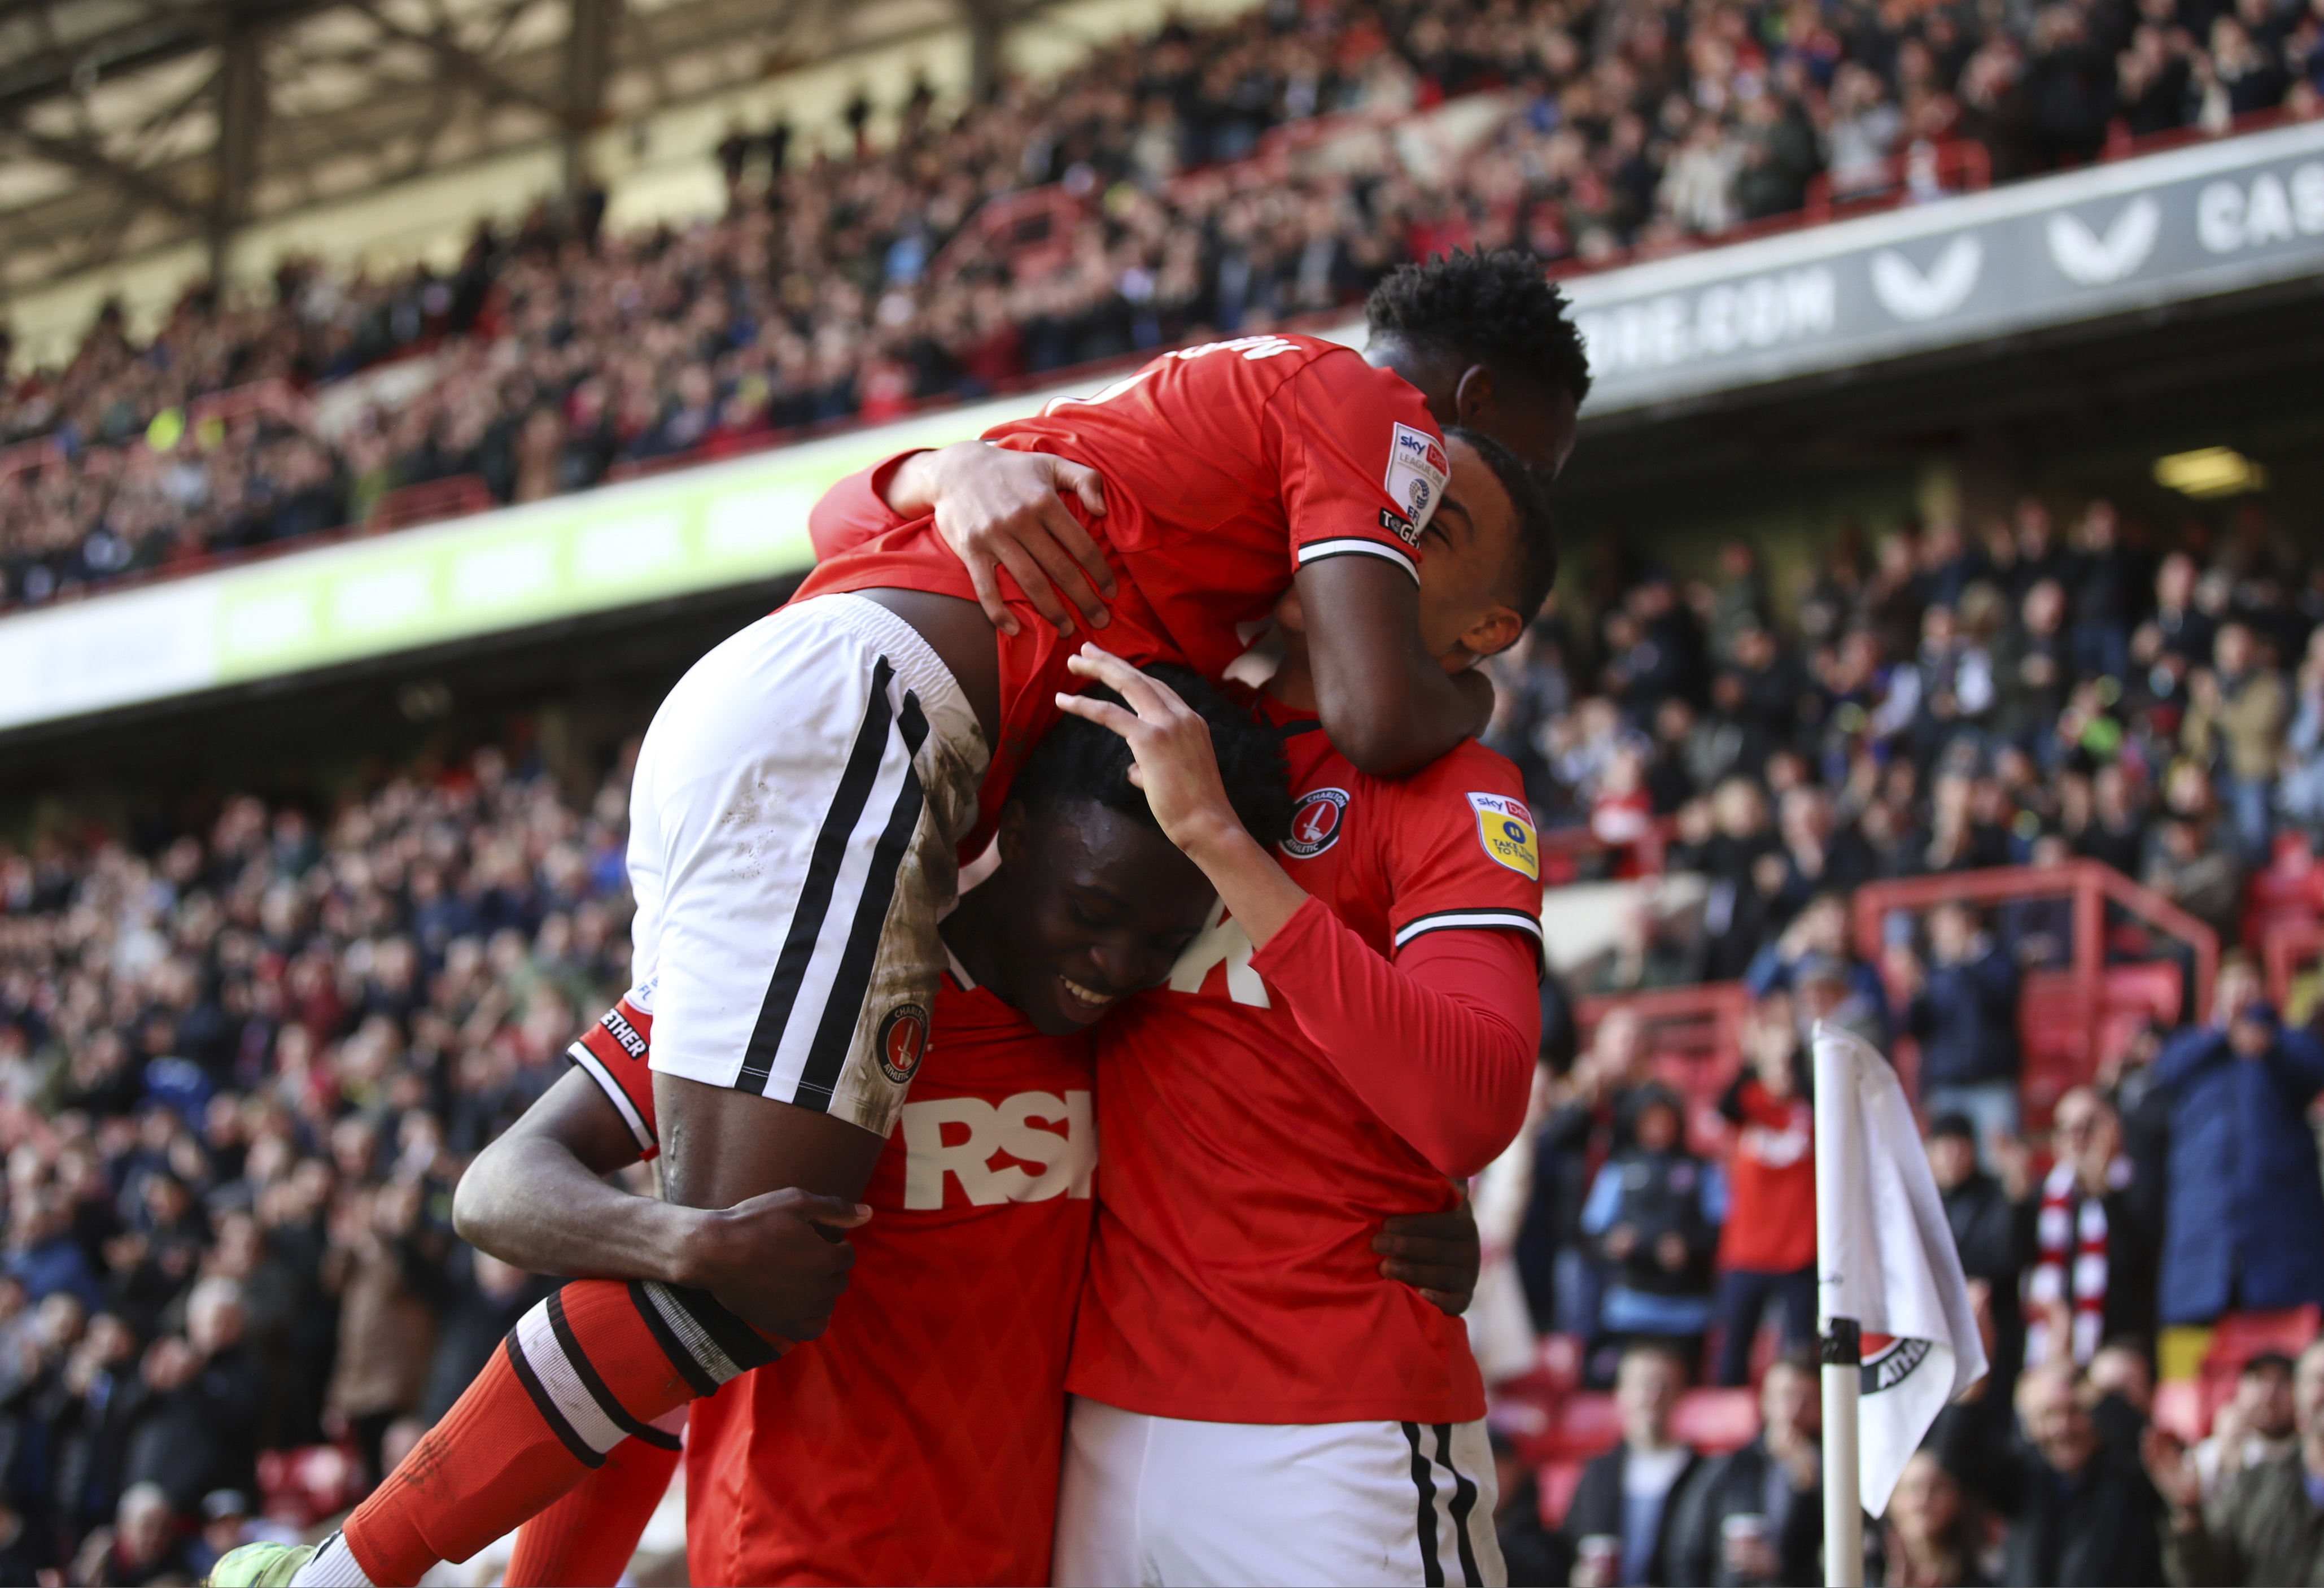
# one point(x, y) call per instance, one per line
point(918, 1440)
point(1232, 1279)
point(1227, 467)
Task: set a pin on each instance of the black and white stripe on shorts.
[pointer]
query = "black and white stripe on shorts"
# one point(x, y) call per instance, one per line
point(818, 997)
point(1432, 1447)
point(704, 1343)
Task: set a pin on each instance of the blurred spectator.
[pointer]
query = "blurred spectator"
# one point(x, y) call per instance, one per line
point(1530, 1550)
point(1563, 1279)
point(1755, 1514)
point(486, 1299)
point(2080, 1513)
point(1961, 1005)
point(142, 1547)
point(377, 1265)
point(2254, 1428)
point(1767, 1243)
point(1987, 1231)
point(2244, 1224)
point(1655, 1212)
point(1931, 1539)
point(43, 1256)
point(197, 1429)
point(16, 1559)
point(1622, 1524)
point(2302, 794)
point(2091, 1238)
point(1644, 957)
point(2236, 724)
point(2267, 1524)
point(227, 1525)
point(2193, 867)
point(1818, 938)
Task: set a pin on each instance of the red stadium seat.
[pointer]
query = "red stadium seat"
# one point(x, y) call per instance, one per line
point(2242, 1335)
point(1581, 1427)
point(300, 1487)
point(1558, 1481)
point(1716, 1421)
point(1556, 1369)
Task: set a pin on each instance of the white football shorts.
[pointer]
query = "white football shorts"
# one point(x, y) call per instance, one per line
point(792, 825)
point(1162, 1503)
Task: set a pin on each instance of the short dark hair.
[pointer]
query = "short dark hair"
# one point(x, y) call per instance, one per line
point(1496, 309)
point(1535, 571)
point(1080, 762)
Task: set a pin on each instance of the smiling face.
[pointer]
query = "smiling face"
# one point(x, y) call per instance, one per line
point(1092, 904)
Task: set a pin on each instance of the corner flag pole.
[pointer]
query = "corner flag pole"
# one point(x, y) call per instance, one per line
point(1837, 1150)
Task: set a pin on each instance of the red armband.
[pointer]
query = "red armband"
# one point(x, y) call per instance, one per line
point(614, 1053)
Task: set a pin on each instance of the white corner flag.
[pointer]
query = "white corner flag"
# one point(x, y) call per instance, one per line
point(1885, 1266)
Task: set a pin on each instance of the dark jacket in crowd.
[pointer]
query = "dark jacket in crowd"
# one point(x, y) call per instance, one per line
point(2245, 1227)
point(1564, 1149)
point(1535, 1555)
point(1746, 1481)
point(1988, 1233)
point(2099, 1529)
point(202, 1436)
point(1966, 1019)
point(1596, 1509)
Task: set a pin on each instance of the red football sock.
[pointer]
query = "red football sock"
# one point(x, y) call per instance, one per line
point(589, 1536)
point(595, 1365)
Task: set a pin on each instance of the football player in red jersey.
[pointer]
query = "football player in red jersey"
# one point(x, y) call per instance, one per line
point(1358, 1028)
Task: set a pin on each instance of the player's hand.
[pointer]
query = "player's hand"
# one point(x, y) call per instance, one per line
point(1619, 1240)
point(1435, 1253)
point(777, 1262)
point(1171, 757)
point(995, 507)
point(1670, 1250)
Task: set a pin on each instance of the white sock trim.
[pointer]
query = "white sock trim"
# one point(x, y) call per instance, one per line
point(333, 1565)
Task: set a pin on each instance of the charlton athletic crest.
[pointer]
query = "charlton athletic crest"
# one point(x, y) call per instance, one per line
point(903, 1038)
point(1315, 822)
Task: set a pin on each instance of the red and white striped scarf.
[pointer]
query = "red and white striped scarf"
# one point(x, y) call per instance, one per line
point(2057, 1230)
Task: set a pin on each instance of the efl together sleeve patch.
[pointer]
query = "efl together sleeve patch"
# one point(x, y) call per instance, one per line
point(1505, 828)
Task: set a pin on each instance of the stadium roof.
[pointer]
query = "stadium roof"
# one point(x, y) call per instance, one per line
point(130, 124)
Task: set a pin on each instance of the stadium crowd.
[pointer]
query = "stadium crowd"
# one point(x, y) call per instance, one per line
point(242, 1065)
point(854, 285)
point(1948, 701)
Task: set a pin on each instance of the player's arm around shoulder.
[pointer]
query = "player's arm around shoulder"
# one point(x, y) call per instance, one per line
point(537, 1198)
point(1362, 470)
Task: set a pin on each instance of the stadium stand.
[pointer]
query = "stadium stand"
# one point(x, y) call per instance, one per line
point(1215, 178)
